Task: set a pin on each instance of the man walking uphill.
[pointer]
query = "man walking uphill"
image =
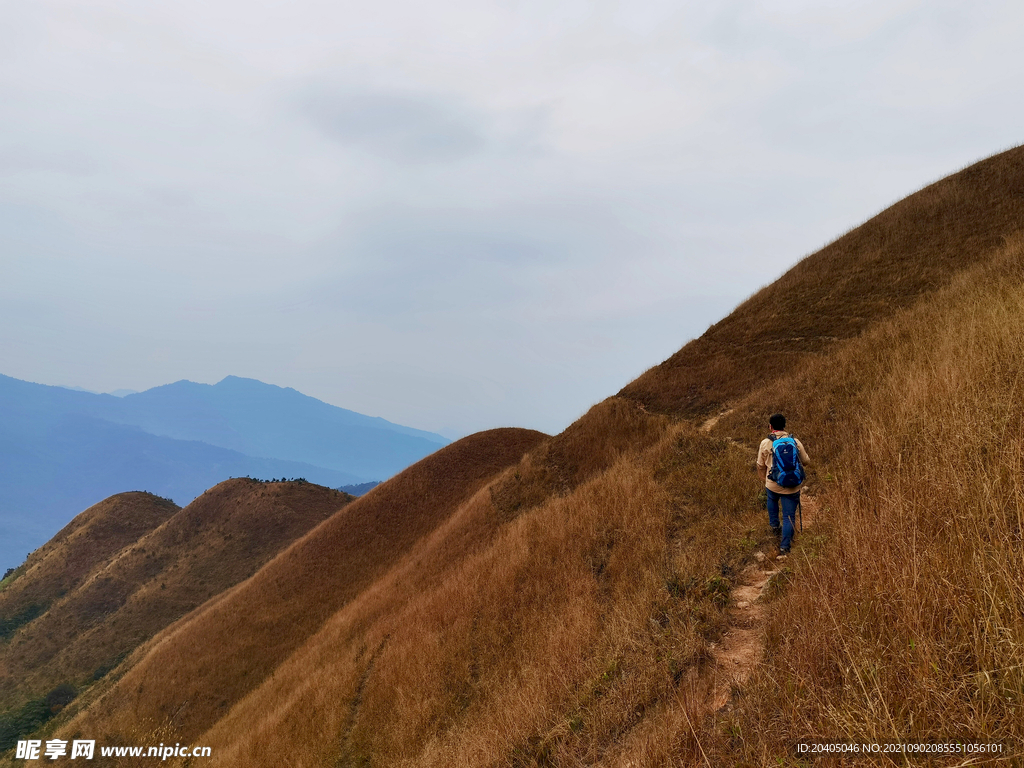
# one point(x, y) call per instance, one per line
point(780, 461)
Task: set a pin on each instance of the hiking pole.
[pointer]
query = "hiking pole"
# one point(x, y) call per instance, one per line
point(800, 507)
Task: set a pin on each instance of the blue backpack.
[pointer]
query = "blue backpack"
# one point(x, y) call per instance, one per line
point(786, 469)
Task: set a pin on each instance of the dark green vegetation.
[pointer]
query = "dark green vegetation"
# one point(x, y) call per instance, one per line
point(33, 714)
point(10, 624)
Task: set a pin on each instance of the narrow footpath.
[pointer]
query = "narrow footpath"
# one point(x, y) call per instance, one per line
point(742, 644)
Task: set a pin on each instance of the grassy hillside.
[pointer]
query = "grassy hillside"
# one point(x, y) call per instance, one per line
point(521, 638)
point(912, 248)
point(519, 601)
point(909, 618)
point(580, 631)
point(128, 567)
point(68, 560)
point(195, 671)
point(82, 546)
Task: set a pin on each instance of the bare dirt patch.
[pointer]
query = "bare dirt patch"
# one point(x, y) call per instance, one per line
point(741, 646)
point(709, 424)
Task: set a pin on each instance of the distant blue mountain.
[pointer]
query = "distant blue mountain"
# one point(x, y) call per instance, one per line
point(62, 450)
point(260, 419)
point(359, 489)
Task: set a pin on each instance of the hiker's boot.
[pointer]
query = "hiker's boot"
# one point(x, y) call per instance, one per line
point(777, 532)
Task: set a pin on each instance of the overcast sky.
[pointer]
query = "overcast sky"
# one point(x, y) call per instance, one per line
point(455, 215)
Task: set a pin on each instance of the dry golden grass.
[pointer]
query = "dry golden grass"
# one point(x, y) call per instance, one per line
point(128, 587)
point(551, 638)
point(70, 558)
point(81, 546)
point(192, 673)
point(908, 621)
point(887, 263)
point(590, 445)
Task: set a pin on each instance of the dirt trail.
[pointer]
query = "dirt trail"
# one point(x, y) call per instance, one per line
point(709, 424)
point(742, 644)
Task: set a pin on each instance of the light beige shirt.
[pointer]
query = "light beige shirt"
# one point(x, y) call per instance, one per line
point(764, 462)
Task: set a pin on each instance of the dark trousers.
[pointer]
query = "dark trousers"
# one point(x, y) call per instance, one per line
point(788, 502)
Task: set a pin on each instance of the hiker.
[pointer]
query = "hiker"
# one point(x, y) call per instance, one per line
point(780, 461)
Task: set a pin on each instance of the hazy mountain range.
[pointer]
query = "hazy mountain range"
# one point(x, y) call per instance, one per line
point(63, 449)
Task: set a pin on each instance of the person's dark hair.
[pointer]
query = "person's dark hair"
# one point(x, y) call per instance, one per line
point(778, 421)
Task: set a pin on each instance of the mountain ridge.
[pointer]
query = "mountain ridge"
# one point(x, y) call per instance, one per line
point(235, 385)
point(336, 560)
point(143, 562)
point(63, 449)
point(913, 247)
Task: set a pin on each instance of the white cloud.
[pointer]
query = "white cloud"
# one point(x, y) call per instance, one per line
point(401, 127)
point(454, 214)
